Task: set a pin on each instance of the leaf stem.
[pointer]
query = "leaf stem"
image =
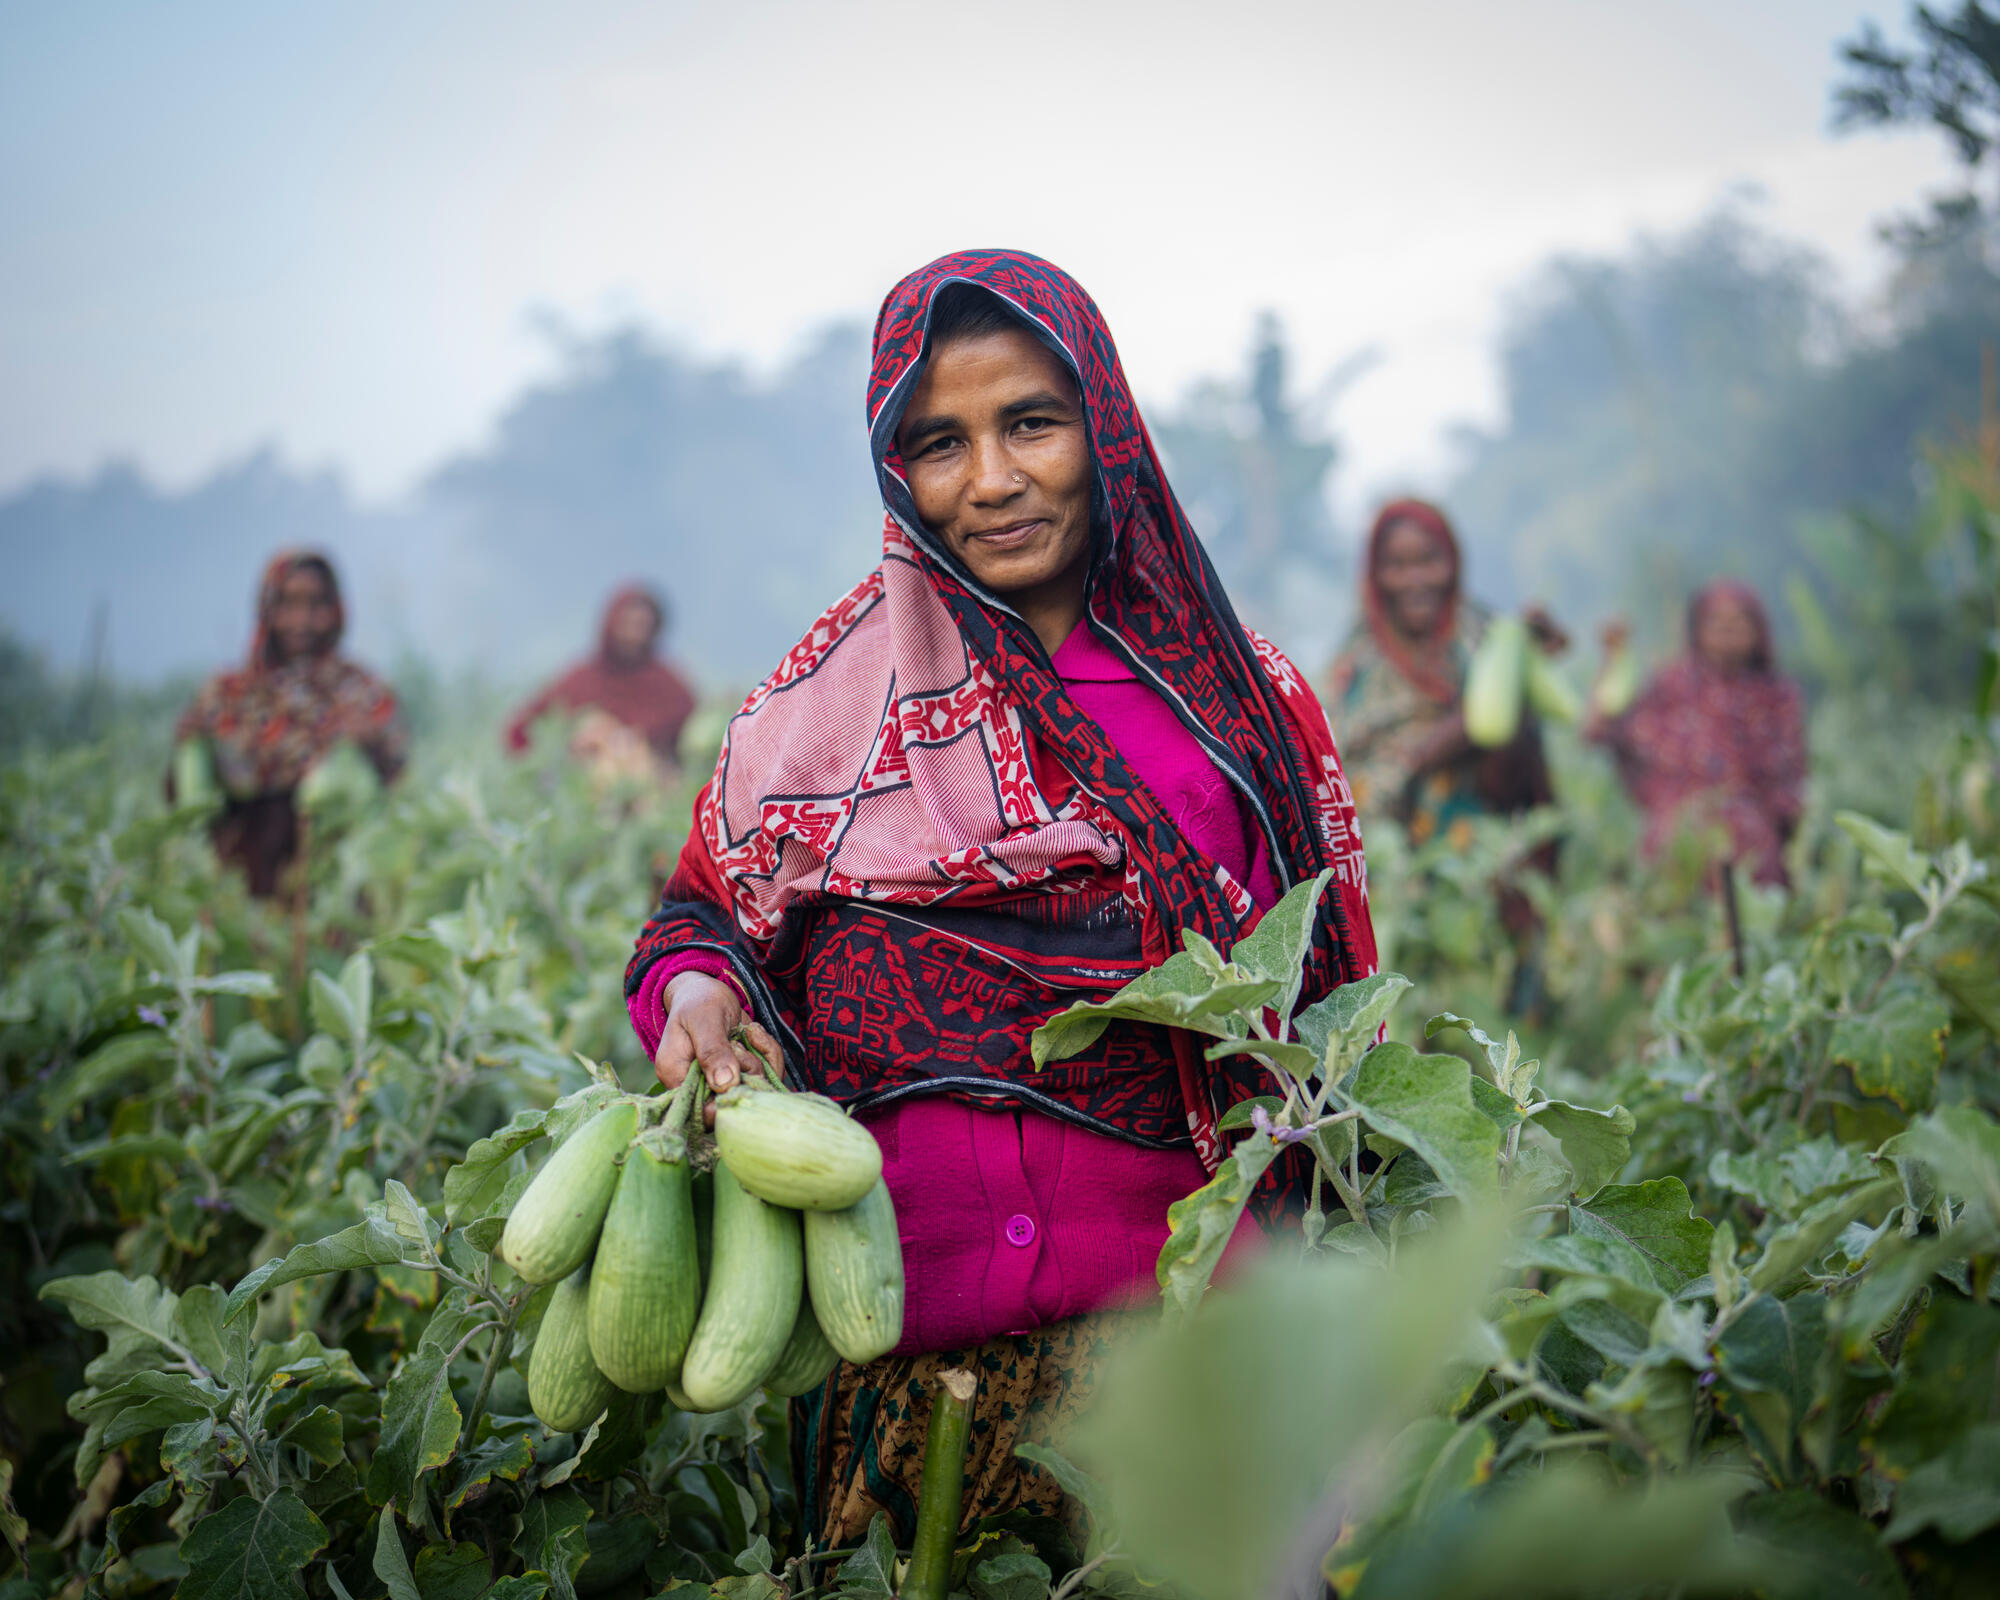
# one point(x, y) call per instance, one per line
point(503, 1339)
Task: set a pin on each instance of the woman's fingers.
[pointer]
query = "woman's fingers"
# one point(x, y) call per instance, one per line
point(757, 1048)
point(670, 1061)
point(708, 1024)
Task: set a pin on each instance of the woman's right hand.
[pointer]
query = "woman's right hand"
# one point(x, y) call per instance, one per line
point(702, 1013)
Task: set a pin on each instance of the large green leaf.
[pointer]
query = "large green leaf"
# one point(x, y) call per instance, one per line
point(453, 1572)
point(373, 1242)
point(1426, 1102)
point(1768, 1357)
point(551, 1539)
point(1895, 1050)
point(1794, 1247)
point(1589, 1256)
point(1352, 1014)
point(155, 943)
point(201, 1323)
point(1315, 1364)
point(1200, 1225)
point(1276, 948)
point(1012, 1575)
point(420, 1419)
point(252, 1550)
point(1657, 1220)
point(1567, 1531)
point(1957, 1493)
point(473, 1186)
point(149, 1401)
point(1950, 1380)
point(136, 1316)
point(1180, 993)
point(391, 1564)
point(1961, 1147)
point(1888, 854)
point(106, 1067)
point(333, 1010)
point(870, 1573)
point(1822, 1551)
point(1596, 1144)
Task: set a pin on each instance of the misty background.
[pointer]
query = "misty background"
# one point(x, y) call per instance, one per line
point(503, 307)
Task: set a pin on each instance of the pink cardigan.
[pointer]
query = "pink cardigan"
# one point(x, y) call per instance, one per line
point(1011, 1220)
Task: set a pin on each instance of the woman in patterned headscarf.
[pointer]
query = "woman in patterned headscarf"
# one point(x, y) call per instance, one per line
point(1396, 690)
point(1718, 736)
point(1006, 772)
point(263, 726)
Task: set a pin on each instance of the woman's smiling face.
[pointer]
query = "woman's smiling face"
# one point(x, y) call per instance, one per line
point(998, 461)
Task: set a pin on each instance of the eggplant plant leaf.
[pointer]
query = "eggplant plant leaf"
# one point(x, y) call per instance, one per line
point(1425, 1102)
point(252, 1550)
point(1596, 1144)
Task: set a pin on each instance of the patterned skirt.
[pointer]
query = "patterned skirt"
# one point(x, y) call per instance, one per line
point(858, 1441)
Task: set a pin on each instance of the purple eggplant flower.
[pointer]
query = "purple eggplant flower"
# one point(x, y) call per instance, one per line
point(156, 1017)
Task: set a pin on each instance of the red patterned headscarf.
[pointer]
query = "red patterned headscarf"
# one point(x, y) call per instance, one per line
point(917, 749)
point(1425, 662)
point(918, 746)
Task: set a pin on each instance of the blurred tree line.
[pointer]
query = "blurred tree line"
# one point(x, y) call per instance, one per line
point(1699, 404)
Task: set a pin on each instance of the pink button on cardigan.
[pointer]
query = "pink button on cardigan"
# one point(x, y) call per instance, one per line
point(1014, 1219)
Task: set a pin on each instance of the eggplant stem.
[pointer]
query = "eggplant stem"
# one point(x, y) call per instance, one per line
point(941, 1494)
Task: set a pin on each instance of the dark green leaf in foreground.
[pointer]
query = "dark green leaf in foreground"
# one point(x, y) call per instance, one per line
point(251, 1550)
point(1768, 1357)
point(1823, 1552)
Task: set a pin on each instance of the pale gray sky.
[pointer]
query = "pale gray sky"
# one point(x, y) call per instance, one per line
point(326, 224)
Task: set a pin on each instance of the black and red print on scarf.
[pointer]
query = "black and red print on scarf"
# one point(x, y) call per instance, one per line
point(916, 760)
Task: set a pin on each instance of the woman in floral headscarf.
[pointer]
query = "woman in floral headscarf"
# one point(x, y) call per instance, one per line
point(1718, 736)
point(264, 726)
point(1007, 772)
point(1396, 690)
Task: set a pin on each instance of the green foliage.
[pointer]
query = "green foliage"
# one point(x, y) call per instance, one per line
point(1733, 1335)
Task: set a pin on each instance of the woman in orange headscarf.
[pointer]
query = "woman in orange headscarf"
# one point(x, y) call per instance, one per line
point(263, 726)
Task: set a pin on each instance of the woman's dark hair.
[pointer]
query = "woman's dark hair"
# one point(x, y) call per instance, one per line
point(967, 311)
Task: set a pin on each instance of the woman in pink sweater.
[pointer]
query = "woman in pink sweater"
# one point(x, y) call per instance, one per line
point(1005, 773)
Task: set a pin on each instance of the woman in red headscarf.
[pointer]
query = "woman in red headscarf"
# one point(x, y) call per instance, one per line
point(1718, 737)
point(1008, 771)
point(1395, 690)
point(625, 684)
point(263, 727)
